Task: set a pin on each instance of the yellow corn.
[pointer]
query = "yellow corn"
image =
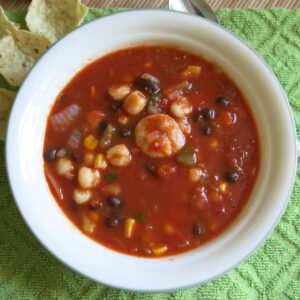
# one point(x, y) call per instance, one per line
point(223, 187)
point(159, 250)
point(123, 120)
point(192, 71)
point(100, 162)
point(195, 70)
point(129, 227)
point(90, 142)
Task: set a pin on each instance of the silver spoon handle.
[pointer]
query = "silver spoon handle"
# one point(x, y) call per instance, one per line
point(198, 7)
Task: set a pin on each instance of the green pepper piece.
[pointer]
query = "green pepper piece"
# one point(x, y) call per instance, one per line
point(111, 177)
point(187, 157)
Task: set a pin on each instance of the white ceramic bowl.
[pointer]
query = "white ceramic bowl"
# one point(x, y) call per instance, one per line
point(26, 137)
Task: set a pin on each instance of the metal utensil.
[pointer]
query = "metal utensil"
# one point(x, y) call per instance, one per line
point(198, 7)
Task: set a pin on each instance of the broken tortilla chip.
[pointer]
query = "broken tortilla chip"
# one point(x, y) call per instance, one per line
point(54, 18)
point(14, 64)
point(6, 102)
point(19, 49)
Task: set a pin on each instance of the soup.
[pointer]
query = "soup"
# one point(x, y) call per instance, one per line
point(151, 151)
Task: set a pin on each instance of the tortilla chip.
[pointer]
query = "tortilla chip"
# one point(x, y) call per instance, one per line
point(6, 102)
point(19, 49)
point(54, 18)
point(14, 64)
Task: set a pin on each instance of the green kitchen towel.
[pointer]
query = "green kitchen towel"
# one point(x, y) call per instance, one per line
point(28, 271)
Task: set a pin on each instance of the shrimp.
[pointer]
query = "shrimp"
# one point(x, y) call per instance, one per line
point(159, 136)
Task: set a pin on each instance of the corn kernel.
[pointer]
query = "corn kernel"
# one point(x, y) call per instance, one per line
point(100, 162)
point(129, 227)
point(223, 187)
point(123, 119)
point(192, 71)
point(159, 250)
point(93, 92)
point(90, 142)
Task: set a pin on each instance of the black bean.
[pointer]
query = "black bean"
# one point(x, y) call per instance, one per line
point(114, 201)
point(114, 220)
point(115, 105)
point(198, 229)
point(50, 155)
point(123, 132)
point(206, 130)
point(148, 83)
point(152, 169)
point(103, 126)
point(231, 176)
point(222, 101)
point(208, 113)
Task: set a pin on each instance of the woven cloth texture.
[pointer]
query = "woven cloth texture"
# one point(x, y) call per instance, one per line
point(28, 271)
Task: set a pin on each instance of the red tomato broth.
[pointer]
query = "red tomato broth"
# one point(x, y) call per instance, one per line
point(155, 202)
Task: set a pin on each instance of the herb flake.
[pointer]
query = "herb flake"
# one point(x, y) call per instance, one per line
point(111, 177)
point(140, 217)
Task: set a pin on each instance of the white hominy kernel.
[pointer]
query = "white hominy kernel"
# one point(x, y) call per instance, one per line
point(180, 107)
point(88, 178)
point(135, 102)
point(81, 196)
point(119, 92)
point(118, 155)
point(88, 226)
point(65, 167)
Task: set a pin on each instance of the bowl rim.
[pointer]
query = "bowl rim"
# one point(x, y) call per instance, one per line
point(10, 141)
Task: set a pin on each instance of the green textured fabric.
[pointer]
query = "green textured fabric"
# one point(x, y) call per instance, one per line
point(28, 271)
